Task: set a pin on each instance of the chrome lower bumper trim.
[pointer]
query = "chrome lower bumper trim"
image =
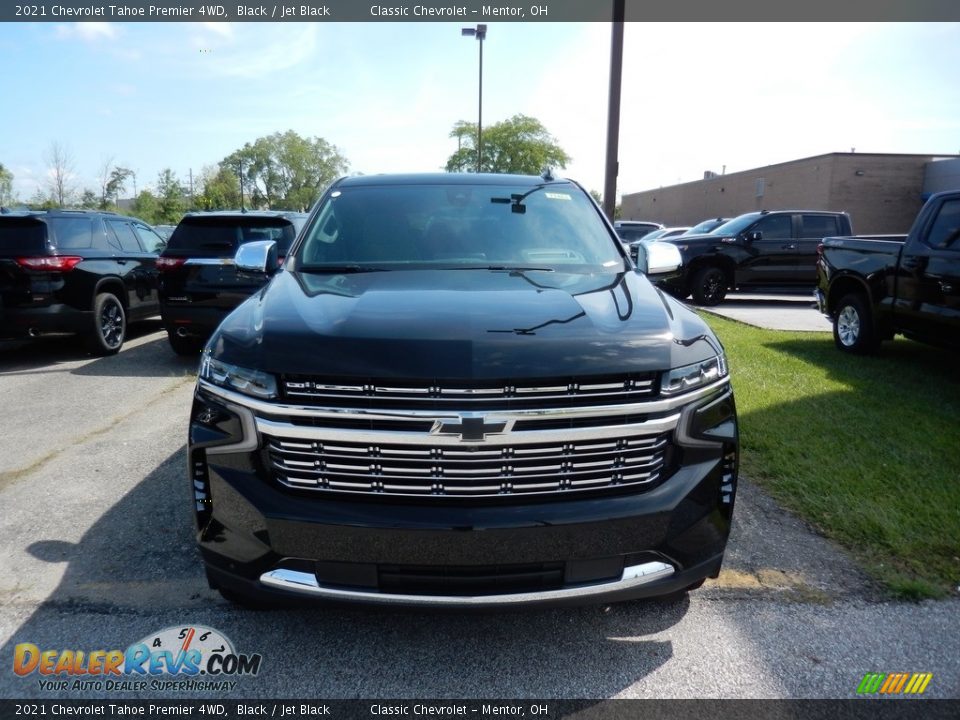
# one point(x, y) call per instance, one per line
point(306, 584)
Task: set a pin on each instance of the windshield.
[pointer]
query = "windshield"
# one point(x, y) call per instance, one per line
point(459, 226)
point(737, 225)
point(656, 234)
point(707, 226)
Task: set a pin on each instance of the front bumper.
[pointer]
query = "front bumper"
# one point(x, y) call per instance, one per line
point(259, 537)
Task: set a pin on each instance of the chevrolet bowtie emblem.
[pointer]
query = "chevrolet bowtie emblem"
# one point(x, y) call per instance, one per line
point(469, 428)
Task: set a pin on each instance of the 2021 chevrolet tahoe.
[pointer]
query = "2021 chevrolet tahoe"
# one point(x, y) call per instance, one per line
point(460, 391)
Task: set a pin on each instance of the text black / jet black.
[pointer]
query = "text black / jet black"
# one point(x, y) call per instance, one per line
point(76, 271)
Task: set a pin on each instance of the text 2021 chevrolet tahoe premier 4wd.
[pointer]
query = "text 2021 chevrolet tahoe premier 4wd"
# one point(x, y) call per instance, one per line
point(460, 391)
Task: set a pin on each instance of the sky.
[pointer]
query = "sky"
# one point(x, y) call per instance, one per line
point(696, 96)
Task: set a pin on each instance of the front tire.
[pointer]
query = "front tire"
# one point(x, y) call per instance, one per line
point(109, 325)
point(709, 286)
point(853, 328)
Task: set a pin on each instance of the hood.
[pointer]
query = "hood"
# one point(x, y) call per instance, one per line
point(700, 239)
point(461, 324)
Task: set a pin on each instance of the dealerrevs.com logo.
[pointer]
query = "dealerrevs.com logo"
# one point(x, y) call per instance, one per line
point(176, 658)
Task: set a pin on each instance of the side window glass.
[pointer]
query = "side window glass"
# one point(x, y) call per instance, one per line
point(776, 227)
point(945, 230)
point(149, 239)
point(72, 233)
point(819, 226)
point(128, 241)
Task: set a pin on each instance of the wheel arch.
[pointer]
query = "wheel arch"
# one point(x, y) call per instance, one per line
point(114, 285)
point(845, 285)
point(715, 260)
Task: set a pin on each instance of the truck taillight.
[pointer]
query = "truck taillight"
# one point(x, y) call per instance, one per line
point(50, 263)
point(168, 263)
point(820, 249)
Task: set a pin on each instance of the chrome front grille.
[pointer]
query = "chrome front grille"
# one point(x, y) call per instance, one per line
point(468, 470)
point(547, 393)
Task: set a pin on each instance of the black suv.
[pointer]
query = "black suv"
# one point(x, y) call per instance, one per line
point(76, 271)
point(632, 230)
point(764, 249)
point(460, 391)
point(199, 283)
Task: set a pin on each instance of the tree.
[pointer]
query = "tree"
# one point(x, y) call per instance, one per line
point(146, 206)
point(285, 170)
point(61, 163)
point(171, 197)
point(89, 200)
point(218, 189)
point(519, 145)
point(42, 201)
point(116, 184)
point(6, 186)
point(105, 166)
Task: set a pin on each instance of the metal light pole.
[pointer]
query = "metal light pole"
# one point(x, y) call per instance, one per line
point(479, 32)
point(613, 111)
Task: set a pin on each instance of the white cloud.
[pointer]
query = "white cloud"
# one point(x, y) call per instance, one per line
point(222, 29)
point(88, 31)
point(264, 49)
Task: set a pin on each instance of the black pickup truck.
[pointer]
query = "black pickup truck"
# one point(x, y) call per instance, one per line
point(875, 287)
point(770, 248)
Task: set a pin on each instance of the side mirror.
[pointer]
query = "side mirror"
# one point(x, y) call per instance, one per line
point(259, 256)
point(754, 235)
point(657, 258)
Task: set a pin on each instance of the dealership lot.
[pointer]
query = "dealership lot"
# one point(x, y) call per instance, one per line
point(780, 311)
point(100, 554)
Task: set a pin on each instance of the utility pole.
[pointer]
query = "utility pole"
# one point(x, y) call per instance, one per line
point(479, 32)
point(613, 111)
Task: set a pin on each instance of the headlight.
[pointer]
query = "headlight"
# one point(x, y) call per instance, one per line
point(249, 382)
point(689, 377)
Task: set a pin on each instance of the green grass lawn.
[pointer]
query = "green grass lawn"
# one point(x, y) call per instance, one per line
point(867, 449)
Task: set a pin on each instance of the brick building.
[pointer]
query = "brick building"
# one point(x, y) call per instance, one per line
point(882, 192)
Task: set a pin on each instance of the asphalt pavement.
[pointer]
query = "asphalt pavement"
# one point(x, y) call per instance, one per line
point(99, 554)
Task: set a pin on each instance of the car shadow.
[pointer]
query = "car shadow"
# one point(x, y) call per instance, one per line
point(145, 353)
point(136, 571)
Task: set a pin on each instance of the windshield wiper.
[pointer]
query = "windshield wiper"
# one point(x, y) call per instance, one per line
point(508, 268)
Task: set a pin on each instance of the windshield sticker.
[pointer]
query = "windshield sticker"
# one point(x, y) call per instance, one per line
point(558, 196)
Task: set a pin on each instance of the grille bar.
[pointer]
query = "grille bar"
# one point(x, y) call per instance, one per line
point(560, 392)
point(429, 471)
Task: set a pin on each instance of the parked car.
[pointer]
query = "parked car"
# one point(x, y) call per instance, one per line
point(199, 283)
point(76, 271)
point(632, 230)
point(460, 391)
point(767, 249)
point(665, 233)
point(875, 287)
point(164, 231)
point(706, 226)
point(299, 219)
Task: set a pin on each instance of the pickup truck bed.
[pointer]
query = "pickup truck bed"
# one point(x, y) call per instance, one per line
point(874, 287)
